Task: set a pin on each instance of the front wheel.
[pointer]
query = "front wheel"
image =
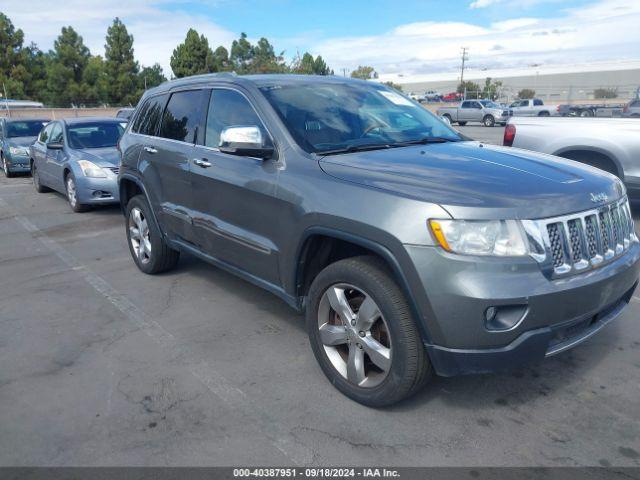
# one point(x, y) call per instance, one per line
point(488, 121)
point(5, 168)
point(146, 244)
point(363, 334)
point(72, 195)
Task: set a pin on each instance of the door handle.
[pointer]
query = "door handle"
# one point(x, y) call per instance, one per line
point(150, 150)
point(202, 162)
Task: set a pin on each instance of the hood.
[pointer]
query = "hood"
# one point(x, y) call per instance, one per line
point(21, 141)
point(473, 180)
point(103, 157)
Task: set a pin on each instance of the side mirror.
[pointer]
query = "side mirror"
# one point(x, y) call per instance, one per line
point(245, 141)
point(55, 146)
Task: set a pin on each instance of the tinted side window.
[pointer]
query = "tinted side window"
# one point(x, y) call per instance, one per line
point(228, 108)
point(466, 104)
point(148, 119)
point(537, 102)
point(182, 116)
point(56, 134)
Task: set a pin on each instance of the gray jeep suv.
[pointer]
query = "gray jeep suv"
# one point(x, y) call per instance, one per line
point(411, 249)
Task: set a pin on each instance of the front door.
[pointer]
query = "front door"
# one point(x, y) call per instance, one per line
point(234, 195)
point(55, 159)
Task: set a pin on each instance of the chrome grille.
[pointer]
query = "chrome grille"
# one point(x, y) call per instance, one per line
point(580, 241)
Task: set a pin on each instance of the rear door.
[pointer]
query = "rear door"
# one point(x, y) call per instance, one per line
point(234, 196)
point(40, 154)
point(168, 156)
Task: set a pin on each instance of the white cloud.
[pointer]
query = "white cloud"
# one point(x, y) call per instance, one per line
point(156, 31)
point(483, 3)
point(602, 31)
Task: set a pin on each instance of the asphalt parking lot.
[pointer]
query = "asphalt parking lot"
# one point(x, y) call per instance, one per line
point(103, 365)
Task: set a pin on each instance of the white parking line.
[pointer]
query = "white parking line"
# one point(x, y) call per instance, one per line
point(216, 383)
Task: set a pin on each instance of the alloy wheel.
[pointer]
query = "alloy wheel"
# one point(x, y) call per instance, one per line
point(71, 191)
point(355, 335)
point(139, 235)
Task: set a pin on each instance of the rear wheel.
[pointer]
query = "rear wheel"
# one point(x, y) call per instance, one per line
point(586, 113)
point(148, 248)
point(72, 194)
point(488, 121)
point(35, 176)
point(543, 114)
point(448, 118)
point(363, 334)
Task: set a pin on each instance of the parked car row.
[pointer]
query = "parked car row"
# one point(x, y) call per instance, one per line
point(411, 250)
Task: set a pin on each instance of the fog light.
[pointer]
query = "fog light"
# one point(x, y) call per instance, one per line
point(504, 317)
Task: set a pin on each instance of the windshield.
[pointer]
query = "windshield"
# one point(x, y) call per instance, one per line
point(29, 128)
point(490, 104)
point(94, 135)
point(324, 117)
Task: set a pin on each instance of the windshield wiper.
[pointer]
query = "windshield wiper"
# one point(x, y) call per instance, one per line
point(425, 140)
point(356, 148)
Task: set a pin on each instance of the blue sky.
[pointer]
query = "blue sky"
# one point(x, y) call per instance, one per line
point(409, 38)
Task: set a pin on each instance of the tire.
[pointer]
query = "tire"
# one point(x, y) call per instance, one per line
point(392, 333)
point(586, 113)
point(157, 256)
point(35, 176)
point(448, 117)
point(488, 121)
point(543, 114)
point(462, 124)
point(72, 194)
point(5, 168)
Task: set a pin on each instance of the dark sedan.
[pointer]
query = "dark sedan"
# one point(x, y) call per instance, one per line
point(15, 137)
point(79, 158)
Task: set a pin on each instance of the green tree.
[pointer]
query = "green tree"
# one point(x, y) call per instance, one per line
point(526, 93)
point(393, 85)
point(364, 73)
point(491, 89)
point(35, 62)
point(96, 82)
point(265, 59)
point(320, 67)
point(12, 71)
point(472, 89)
point(242, 54)
point(121, 66)
point(150, 77)
point(193, 57)
point(64, 73)
point(308, 65)
point(221, 60)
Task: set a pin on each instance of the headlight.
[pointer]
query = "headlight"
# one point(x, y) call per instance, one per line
point(503, 238)
point(18, 151)
point(90, 169)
